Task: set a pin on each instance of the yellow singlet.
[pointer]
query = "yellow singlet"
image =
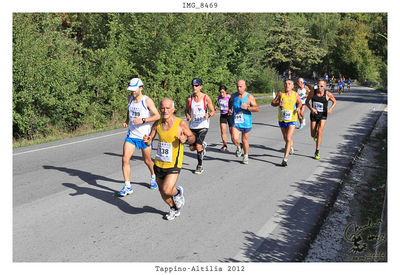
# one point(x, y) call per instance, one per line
point(287, 112)
point(170, 149)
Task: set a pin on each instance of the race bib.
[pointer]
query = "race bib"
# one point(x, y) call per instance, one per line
point(318, 106)
point(239, 118)
point(199, 115)
point(286, 114)
point(164, 151)
point(223, 105)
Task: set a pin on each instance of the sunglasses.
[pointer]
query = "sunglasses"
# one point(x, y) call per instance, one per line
point(195, 85)
point(320, 85)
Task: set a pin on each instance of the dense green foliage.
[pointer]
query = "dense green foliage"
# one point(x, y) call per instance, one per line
point(72, 70)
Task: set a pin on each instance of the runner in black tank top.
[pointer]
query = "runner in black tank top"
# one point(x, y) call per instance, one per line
point(319, 112)
point(320, 104)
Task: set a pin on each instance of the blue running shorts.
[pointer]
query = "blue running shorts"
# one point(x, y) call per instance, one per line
point(283, 124)
point(243, 130)
point(137, 142)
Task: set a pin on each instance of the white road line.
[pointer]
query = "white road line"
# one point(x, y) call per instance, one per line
point(75, 142)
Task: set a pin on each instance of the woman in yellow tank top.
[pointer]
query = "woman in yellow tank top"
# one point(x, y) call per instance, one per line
point(172, 132)
point(289, 104)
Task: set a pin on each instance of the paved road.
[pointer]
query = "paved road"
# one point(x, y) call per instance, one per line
point(65, 207)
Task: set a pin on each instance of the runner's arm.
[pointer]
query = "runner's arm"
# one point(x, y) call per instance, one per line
point(298, 101)
point(126, 123)
point(333, 99)
point(310, 95)
point(276, 101)
point(210, 106)
point(152, 107)
point(253, 106)
point(149, 139)
point(187, 109)
point(230, 106)
point(185, 134)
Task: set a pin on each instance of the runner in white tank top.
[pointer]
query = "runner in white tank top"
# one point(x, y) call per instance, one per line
point(303, 91)
point(138, 110)
point(197, 106)
point(141, 112)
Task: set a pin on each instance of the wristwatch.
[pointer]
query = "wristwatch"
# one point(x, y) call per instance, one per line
point(143, 120)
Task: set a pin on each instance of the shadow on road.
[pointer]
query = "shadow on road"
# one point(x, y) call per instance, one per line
point(304, 214)
point(107, 195)
point(113, 199)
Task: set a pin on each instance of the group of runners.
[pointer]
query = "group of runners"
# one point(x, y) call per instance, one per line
point(341, 83)
point(144, 122)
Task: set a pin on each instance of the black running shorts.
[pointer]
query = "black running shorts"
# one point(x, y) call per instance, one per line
point(224, 119)
point(200, 135)
point(161, 173)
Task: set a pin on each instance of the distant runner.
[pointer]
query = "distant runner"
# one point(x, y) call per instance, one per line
point(141, 111)
point(340, 86)
point(303, 91)
point(172, 132)
point(348, 83)
point(319, 112)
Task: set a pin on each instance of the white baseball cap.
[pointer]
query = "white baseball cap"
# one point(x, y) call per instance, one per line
point(134, 84)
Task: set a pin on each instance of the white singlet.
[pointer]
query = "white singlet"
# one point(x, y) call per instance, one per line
point(138, 110)
point(197, 114)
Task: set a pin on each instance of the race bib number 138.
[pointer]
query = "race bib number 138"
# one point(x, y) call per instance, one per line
point(164, 152)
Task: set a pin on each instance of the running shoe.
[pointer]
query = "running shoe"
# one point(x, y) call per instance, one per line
point(204, 148)
point(199, 170)
point(153, 183)
point(179, 200)
point(224, 148)
point(125, 191)
point(284, 163)
point(317, 156)
point(172, 214)
point(315, 139)
point(239, 152)
point(245, 159)
point(301, 125)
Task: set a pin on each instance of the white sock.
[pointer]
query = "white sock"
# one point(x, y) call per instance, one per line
point(153, 176)
point(128, 184)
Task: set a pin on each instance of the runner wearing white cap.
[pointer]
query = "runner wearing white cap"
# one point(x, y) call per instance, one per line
point(141, 112)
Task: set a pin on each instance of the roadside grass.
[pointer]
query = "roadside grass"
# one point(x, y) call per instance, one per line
point(57, 134)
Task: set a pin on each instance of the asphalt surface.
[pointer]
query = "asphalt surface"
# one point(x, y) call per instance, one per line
point(65, 207)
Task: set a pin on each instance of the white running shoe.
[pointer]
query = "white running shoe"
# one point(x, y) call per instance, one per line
point(172, 214)
point(199, 170)
point(245, 159)
point(204, 145)
point(239, 152)
point(179, 200)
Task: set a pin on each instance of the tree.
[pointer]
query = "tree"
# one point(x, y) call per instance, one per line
point(290, 47)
